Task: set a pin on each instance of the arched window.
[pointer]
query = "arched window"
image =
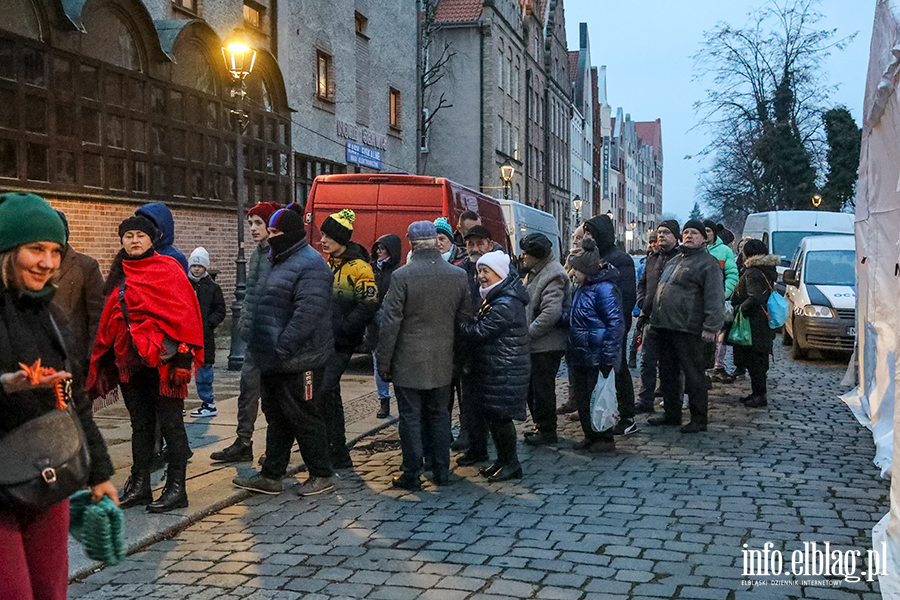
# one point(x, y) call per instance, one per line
point(21, 17)
point(193, 68)
point(110, 39)
point(258, 91)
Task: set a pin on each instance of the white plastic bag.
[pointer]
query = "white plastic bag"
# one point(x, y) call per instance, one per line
point(604, 407)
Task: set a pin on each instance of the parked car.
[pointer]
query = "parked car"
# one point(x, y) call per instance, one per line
point(820, 288)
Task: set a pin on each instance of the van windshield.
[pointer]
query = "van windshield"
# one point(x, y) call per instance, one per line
point(785, 243)
point(830, 267)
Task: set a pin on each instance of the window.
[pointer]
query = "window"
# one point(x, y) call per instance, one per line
point(394, 108)
point(189, 5)
point(423, 143)
point(500, 70)
point(252, 15)
point(324, 83)
point(362, 24)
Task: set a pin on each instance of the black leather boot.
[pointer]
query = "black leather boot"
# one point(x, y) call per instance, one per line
point(175, 493)
point(385, 410)
point(504, 435)
point(137, 490)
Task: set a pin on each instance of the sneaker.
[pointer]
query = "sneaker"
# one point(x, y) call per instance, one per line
point(314, 486)
point(205, 410)
point(624, 427)
point(236, 452)
point(258, 483)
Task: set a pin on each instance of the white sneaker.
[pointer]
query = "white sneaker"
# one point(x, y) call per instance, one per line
point(205, 410)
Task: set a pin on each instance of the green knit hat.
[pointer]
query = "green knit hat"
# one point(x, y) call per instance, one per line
point(26, 218)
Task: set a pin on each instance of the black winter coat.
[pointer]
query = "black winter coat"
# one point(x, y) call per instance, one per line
point(601, 229)
point(27, 334)
point(691, 294)
point(653, 269)
point(751, 295)
point(500, 357)
point(212, 313)
point(292, 329)
point(383, 273)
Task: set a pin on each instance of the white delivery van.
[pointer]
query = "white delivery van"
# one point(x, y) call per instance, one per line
point(522, 220)
point(782, 230)
point(820, 288)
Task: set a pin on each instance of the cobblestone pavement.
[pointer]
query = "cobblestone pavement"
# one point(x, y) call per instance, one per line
point(666, 516)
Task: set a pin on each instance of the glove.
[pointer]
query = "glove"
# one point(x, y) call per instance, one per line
point(181, 365)
point(604, 370)
point(385, 376)
point(709, 336)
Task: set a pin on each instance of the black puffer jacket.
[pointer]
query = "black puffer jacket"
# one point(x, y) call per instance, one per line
point(751, 295)
point(498, 342)
point(601, 229)
point(212, 313)
point(292, 329)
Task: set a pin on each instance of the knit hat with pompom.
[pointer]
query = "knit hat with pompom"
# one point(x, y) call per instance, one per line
point(339, 226)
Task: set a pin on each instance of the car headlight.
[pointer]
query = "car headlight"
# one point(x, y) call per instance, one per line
point(811, 310)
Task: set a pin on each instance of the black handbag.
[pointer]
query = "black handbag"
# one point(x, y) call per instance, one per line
point(43, 461)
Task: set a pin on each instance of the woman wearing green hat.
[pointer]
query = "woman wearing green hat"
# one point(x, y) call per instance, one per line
point(34, 544)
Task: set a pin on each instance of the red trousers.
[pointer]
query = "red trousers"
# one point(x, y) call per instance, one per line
point(34, 554)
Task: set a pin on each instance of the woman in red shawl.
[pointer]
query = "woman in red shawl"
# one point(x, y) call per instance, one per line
point(150, 337)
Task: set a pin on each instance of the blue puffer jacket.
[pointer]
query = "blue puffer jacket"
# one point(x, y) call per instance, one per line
point(500, 356)
point(596, 325)
point(291, 330)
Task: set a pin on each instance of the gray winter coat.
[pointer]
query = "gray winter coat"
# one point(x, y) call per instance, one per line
point(550, 295)
point(427, 301)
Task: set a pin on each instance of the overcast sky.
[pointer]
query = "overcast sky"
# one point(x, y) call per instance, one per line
point(647, 46)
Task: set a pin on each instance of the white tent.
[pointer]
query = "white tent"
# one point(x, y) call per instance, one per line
point(878, 271)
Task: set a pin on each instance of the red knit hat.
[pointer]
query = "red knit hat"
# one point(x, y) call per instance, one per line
point(264, 210)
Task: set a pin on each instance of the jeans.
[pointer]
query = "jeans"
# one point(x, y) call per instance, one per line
point(204, 381)
point(34, 555)
point(720, 351)
point(681, 352)
point(334, 406)
point(542, 389)
point(649, 365)
point(248, 400)
point(584, 379)
point(384, 388)
point(624, 384)
point(147, 408)
point(291, 415)
point(424, 428)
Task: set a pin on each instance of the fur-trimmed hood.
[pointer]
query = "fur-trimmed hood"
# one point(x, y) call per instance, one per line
point(763, 260)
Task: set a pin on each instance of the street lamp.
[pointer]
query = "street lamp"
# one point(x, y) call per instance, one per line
point(239, 61)
point(577, 202)
point(816, 200)
point(506, 174)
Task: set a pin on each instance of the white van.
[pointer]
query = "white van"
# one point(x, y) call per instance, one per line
point(522, 220)
point(820, 288)
point(782, 230)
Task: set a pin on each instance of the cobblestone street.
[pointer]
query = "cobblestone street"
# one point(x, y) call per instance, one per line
point(664, 517)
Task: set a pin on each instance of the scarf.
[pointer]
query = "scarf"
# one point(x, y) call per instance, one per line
point(161, 305)
point(484, 291)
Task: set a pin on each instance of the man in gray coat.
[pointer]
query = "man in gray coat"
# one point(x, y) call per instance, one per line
point(415, 351)
point(549, 293)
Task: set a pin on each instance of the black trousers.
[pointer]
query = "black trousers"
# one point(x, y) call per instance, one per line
point(624, 384)
point(147, 408)
point(542, 389)
point(682, 352)
point(424, 429)
point(757, 365)
point(583, 381)
point(649, 367)
point(333, 411)
point(290, 415)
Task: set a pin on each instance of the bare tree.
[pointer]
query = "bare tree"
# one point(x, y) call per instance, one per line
point(436, 55)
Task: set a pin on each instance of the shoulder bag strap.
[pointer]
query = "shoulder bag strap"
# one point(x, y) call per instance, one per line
point(124, 307)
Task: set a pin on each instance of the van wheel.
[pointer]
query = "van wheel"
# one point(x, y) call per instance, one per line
point(786, 339)
point(797, 353)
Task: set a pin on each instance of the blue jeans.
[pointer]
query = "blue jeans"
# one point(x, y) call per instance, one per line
point(384, 388)
point(204, 383)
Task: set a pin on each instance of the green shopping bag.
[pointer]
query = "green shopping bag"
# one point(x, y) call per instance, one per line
point(739, 335)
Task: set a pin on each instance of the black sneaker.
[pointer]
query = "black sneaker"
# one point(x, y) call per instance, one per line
point(624, 427)
point(236, 452)
point(258, 483)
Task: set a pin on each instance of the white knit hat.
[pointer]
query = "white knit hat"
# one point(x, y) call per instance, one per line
point(497, 261)
point(199, 257)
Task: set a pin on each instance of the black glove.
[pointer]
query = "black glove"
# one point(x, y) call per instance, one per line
point(604, 370)
point(385, 376)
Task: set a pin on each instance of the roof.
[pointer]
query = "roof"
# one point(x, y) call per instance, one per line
point(573, 65)
point(458, 11)
point(649, 132)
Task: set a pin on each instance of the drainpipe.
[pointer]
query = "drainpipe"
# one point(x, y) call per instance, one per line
point(528, 161)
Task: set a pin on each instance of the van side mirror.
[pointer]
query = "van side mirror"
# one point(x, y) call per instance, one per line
point(789, 277)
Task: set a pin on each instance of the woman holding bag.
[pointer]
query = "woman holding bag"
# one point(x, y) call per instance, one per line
point(596, 327)
point(149, 339)
point(750, 297)
point(33, 541)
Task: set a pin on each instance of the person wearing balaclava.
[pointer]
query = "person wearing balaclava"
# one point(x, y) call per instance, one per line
point(600, 229)
point(291, 341)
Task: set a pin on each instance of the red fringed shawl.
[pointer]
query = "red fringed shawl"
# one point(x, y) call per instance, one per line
point(161, 302)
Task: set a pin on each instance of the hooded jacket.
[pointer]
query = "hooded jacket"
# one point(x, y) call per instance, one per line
point(383, 273)
point(751, 295)
point(550, 295)
point(161, 216)
point(653, 269)
point(727, 263)
point(354, 297)
point(291, 332)
point(601, 229)
point(690, 296)
point(498, 341)
point(596, 321)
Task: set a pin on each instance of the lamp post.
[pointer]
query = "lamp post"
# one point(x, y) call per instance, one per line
point(506, 174)
point(239, 60)
point(577, 202)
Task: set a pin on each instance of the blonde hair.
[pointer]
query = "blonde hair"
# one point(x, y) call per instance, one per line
point(8, 270)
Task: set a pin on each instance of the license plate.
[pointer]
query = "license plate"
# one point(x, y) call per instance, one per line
point(851, 331)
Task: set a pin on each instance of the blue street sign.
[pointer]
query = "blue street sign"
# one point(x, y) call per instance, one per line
point(364, 156)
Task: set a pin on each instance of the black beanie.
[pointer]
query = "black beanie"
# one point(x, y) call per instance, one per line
point(588, 261)
point(672, 225)
point(712, 225)
point(695, 224)
point(138, 223)
point(537, 245)
point(725, 235)
point(602, 230)
point(339, 226)
point(287, 220)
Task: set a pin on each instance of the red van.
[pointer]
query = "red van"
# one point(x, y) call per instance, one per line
point(389, 203)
